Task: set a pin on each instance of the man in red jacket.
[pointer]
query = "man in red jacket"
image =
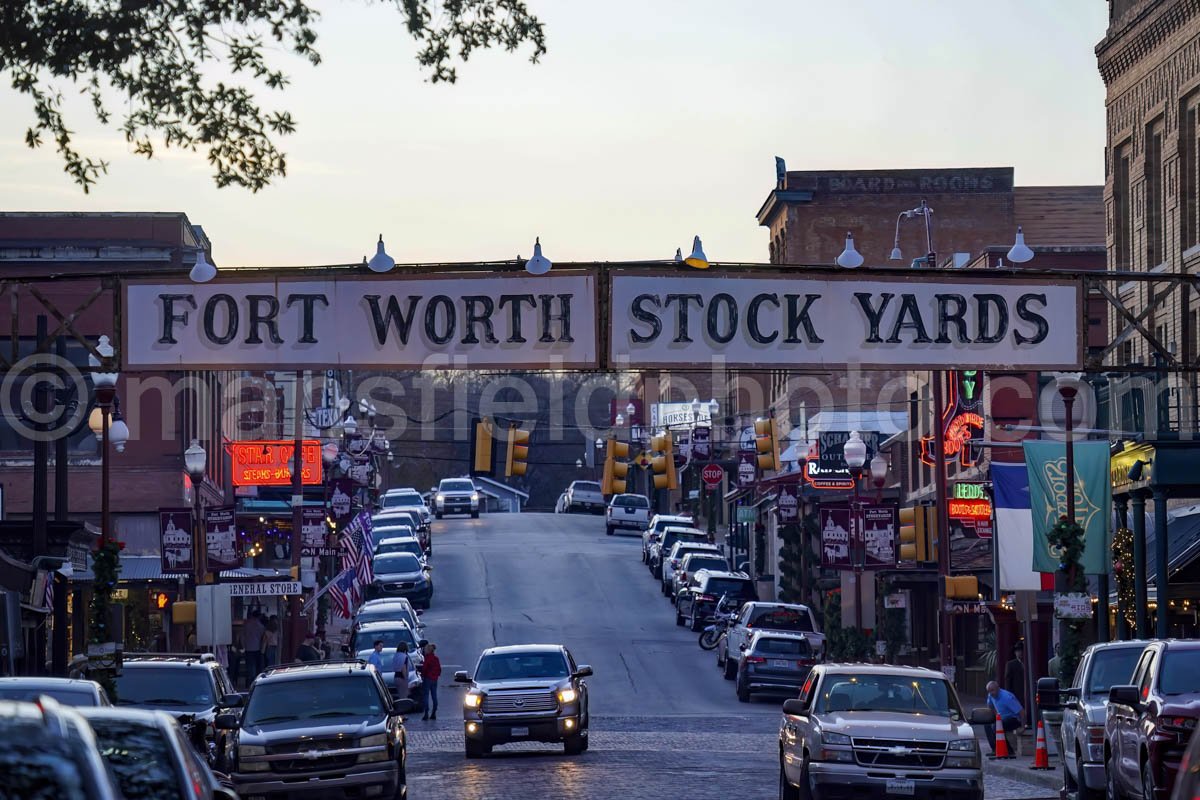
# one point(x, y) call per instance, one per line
point(431, 670)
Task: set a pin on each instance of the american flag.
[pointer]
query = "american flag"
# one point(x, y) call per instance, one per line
point(49, 600)
point(359, 531)
point(341, 592)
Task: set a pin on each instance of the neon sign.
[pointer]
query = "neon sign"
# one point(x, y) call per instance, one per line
point(961, 422)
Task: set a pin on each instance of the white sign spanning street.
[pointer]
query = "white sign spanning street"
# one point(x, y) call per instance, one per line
point(933, 320)
point(443, 322)
point(781, 320)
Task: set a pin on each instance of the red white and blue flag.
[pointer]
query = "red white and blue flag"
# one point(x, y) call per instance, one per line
point(342, 593)
point(356, 554)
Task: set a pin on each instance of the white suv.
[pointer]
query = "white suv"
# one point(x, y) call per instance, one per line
point(672, 561)
point(627, 511)
point(456, 496)
point(754, 616)
point(659, 523)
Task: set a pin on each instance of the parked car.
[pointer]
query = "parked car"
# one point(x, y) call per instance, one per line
point(150, 755)
point(560, 505)
point(65, 690)
point(320, 729)
point(457, 496)
point(400, 544)
point(192, 688)
point(674, 560)
point(657, 524)
point(406, 498)
point(667, 540)
point(773, 662)
point(626, 512)
point(391, 633)
point(530, 692)
point(584, 496)
point(392, 523)
point(697, 602)
point(1187, 781)
point(48, 751)
point(858, 730)
point(1150, 720)
point(402, 575)
point(1085, 709)
point(693, 562)
point(758, 615)
point(389, 609)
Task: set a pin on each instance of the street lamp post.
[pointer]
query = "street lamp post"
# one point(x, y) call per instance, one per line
point(105, 384)
point(855, 452)
point(195, 461)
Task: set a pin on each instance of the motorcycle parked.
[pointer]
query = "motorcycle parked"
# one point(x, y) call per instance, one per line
point(712, 634)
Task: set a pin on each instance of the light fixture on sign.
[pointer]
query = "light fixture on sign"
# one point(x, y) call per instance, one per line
point(850, 258)
point(381, 261)
point(202, 270)
point(539, 264)
point(678, 255)
point(697, 259)
point(1019, 253)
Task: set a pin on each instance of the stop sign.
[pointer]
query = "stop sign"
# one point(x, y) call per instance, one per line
point(712, 475)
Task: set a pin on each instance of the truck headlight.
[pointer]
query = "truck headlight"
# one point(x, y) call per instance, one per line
point(567, 695)
point(380, 741)
point(472, 700)
point(835, 738)
point(962, 754)
point(441, 498)
point(474, 497)
point(249, 751)
point(968, 745)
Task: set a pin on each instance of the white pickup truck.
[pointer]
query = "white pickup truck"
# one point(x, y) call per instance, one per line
point(630, 511)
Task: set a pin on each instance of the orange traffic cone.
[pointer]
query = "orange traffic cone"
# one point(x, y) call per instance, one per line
point(1001, 742)
point(1041, 758)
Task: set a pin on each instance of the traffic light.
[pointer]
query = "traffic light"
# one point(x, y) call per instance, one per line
point(962, 587)
point(294, 572)
point(615, 471)
point(918, 535)
point(518, 451)
point(162, 601)
point(664, 463)
point(481, 447)
point(766, 442)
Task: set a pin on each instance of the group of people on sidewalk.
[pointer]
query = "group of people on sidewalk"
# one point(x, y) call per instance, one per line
point(411, 674)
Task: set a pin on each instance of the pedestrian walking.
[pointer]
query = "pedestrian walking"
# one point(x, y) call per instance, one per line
point(252, 634)
point(431, 670)
point(402, 666)
point(1008, 708)
point(1014, 673)
point(271, 641)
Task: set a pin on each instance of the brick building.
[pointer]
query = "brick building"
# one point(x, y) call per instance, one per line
point(1149, 60)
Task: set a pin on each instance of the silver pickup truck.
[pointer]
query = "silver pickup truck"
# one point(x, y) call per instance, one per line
point(860, 730)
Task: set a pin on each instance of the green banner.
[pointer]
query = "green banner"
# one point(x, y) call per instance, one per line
point(1047, 465)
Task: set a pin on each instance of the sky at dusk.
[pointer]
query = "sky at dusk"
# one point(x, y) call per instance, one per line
point(648, 121)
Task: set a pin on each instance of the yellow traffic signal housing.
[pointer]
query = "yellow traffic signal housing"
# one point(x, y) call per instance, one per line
point(615, 471)
point(482, 437)
point(664, 464)
point(766, 441)
point(518, 452)
point(918, 534)
point(962, 587)
point(481, 447)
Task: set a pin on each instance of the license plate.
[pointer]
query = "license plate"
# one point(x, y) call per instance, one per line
point(780, 663)
point(525, 732)
point(901, 787)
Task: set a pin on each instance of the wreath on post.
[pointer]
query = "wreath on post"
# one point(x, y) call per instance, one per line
point(1067, 538)
point(106, 567)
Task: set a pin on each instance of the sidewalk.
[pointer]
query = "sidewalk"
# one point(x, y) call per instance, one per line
point(1019, 768)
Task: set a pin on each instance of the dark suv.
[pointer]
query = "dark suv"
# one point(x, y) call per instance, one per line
point(186, 686)
point(528, 692)
point(1150, 720)
point(321, 728)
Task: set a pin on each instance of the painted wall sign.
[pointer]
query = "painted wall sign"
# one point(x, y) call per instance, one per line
point(220, 533)
point(780, 320)
point(444, 322)
point(175, 541)
point(836, 537)
point(265, 463)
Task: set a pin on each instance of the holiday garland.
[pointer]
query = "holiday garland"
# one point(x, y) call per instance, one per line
point(106, 566)
point(1122, 567)
point(1067, 538)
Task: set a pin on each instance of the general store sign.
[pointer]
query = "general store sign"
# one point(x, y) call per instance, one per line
point(263, 588)
point(649, 319)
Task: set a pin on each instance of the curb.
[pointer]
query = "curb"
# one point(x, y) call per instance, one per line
point(1013, 770)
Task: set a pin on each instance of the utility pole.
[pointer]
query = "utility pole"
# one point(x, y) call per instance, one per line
point(58, 644)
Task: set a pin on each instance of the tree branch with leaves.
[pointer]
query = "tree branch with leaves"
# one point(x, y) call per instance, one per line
point(155, 56)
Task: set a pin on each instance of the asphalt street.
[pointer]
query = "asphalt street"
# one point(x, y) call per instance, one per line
point(664, 721)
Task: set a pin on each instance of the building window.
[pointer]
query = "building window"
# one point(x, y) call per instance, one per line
point(1122, 227)
point(1189, 163)
point(1126, 353)
point(1155, 252)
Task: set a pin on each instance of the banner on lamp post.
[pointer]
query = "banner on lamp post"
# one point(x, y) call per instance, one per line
point(220, 535)
point(341, 500)
point(879, 526)
point(702, 444)
point(175, 541)
point(747, 469)
point(836, 537)
point(789, 503)
point(1048, 479)
point(314, 539)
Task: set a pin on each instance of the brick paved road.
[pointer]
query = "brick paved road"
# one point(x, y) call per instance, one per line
point(665, 724)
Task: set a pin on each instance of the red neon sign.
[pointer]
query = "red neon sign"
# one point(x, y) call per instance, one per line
point(259, 463)
point(970, 509)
